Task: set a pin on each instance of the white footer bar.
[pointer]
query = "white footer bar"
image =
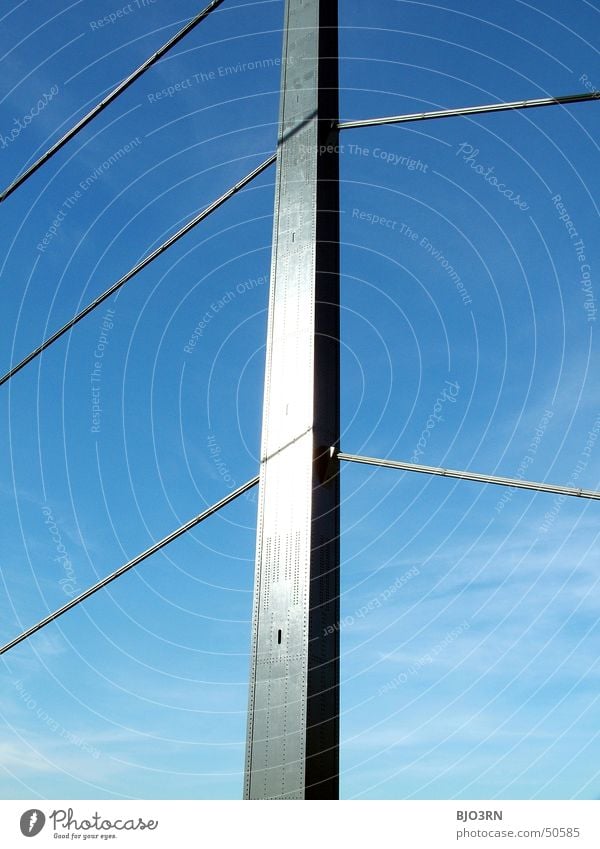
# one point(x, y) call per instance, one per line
point(283, 825)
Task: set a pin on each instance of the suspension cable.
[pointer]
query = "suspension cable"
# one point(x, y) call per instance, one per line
point(137, 268)
point(472, 110)
point(471, 476)
point(130, 564)
point(99, 107)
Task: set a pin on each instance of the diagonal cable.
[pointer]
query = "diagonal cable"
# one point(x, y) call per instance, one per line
point(137, 268)
point(518, 483)
point(99, 107)
point(560, 100)
point(130, 564)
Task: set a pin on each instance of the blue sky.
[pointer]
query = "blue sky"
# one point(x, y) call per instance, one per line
point(469, 614)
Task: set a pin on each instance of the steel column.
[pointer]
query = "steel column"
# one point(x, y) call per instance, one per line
point(293, 731)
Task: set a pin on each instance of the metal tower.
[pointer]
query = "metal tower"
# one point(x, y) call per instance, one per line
point(292, 742)
point(293, 731)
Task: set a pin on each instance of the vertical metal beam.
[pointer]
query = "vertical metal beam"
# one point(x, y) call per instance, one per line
point(293, 724)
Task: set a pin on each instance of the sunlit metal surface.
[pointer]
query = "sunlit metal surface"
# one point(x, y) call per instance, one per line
point(292, 748)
